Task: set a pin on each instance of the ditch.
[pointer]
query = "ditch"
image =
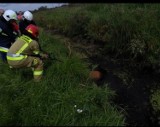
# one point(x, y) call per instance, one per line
point(132, 94)
point(133, 89)
point(133, 98)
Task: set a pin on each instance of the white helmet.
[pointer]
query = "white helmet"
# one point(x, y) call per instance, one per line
point(28, 15)
point(10, 14)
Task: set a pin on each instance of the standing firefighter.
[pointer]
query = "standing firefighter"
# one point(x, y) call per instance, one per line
point(24, 51)
point(27, 20)
point(8, 33)
point(1, 12)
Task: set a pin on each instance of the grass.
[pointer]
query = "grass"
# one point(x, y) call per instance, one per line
point(155, 100)
point(52, 101)
point(128, 31)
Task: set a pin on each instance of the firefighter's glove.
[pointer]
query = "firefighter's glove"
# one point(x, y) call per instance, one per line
point(44, 56)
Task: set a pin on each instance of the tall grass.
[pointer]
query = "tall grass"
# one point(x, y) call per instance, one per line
point(155, 101)
point(57, 99)
point(128, 31)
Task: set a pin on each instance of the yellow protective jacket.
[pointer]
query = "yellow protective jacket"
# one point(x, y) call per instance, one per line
point(23, 47)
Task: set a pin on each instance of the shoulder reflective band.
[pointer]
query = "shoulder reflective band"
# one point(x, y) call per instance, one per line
point(27, 40)
point(11, 56)
point(38, 72)
point(3, 49)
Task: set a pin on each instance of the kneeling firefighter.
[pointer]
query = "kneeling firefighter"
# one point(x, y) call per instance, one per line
point(25, 51)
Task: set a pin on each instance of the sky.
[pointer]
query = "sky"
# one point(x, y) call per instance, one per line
point(27, 6)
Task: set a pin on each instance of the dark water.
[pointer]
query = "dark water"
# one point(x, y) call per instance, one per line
point(134, 98)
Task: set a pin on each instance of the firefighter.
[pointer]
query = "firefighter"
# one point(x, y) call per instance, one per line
point(25, 51)
point(20, 16)
point(8, 33)
point(27, 20)
point(1, 12)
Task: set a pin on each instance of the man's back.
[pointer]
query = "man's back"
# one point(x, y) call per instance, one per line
point(6, 33)
point(24, 23)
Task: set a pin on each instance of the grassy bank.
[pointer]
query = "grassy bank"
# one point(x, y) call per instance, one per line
point(64, 97)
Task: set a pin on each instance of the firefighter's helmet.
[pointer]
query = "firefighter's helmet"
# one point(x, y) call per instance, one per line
point(33, 29)
point(28, 15)
point(10, 15)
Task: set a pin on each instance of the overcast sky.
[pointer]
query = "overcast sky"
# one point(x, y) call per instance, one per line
point(27, 6)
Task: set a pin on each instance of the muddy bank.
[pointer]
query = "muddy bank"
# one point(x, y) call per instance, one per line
point(133, 88)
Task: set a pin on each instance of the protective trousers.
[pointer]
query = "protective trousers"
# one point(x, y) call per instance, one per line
point(37, 66)
point(34, 62)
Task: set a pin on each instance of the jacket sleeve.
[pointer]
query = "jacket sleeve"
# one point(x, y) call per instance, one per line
point(9, 32)
point(35, 47)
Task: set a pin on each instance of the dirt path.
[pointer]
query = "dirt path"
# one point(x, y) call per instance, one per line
point(133, 94)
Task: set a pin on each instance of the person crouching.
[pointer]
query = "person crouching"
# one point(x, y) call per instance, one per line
point(26, 52)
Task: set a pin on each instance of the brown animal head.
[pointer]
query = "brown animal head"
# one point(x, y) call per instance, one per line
point(95, 75)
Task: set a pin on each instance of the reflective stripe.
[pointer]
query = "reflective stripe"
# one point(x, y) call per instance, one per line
point(3, 49)
point(37, 72)
point(16, 58)
point(30, 31)
point(11, 56)
point(36, 52)
point(4, 34)
point(27, 40)
point(22, 48)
